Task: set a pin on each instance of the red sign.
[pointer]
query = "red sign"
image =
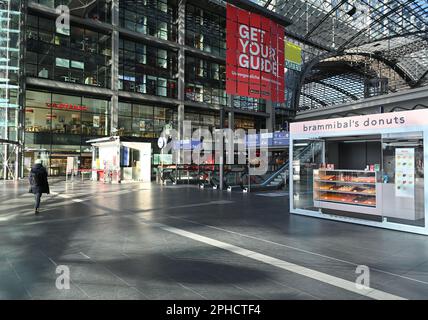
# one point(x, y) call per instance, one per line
point(66, 106)
point(254, 56)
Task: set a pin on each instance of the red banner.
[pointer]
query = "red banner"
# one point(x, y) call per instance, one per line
point(254, 56)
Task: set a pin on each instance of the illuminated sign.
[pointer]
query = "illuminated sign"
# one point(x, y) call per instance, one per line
point(254, 56)
point(66, 106)
point(367, 122)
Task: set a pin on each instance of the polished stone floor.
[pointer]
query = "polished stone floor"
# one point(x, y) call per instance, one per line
point(145, 241)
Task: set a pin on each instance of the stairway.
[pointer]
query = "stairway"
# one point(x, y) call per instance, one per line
point(278, 180)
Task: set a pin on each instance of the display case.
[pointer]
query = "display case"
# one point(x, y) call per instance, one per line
point(347, 190)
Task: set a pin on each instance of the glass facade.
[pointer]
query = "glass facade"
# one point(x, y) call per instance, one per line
point(250, 104)
point(9, 86)
point(205, 30)
point(202, 120)
point(151, 17)
point(205, 81)
point(9, 68)
point(377, 178)
point(145, 121)
point(147, 69)
point(99, 10)
point(247, 122)
point(58, 122)
point(83, 57)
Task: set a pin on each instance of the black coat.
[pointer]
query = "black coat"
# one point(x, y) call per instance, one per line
point(39, 180)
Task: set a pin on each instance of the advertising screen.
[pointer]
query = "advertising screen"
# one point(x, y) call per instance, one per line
point(254, 56)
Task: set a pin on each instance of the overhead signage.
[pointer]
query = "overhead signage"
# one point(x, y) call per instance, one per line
point(274, 140)
point(359, 123)
point(293, 56)
point(254, 56)
point(280, 139)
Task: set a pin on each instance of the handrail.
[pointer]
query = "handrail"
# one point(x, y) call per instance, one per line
point(203, 174)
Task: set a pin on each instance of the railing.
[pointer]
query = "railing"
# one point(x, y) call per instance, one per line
point(185, 174)
point(232, 176)
point(205, 175)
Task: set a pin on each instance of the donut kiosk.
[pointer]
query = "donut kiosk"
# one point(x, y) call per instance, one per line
point(363, 169)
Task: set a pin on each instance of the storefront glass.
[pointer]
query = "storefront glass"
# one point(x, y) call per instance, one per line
point(57, 126)
point(377, 177)
point(403, 178)
point(374, 179)
point(307, 156)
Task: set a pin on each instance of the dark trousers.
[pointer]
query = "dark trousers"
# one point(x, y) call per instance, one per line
point(38, 196)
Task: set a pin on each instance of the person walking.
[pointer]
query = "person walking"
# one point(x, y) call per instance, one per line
point(38, 183)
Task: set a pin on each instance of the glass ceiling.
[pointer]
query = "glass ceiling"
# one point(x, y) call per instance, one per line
point(383, 34)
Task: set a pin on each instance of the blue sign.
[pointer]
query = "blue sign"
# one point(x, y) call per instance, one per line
point(125, 157)
point(185, 144)
point(280, 139)
point(276, 139)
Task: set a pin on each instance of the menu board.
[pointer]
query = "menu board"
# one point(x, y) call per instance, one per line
point(405, 172)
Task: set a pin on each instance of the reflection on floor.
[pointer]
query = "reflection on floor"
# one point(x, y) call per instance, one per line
point(117, 242)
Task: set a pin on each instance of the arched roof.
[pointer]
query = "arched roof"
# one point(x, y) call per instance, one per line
point(390, 33)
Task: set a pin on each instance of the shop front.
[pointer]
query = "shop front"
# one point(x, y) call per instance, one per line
point(365, 169)
point(117, 160)
point(57, 126)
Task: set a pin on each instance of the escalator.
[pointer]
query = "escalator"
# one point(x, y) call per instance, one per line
point(232, 177)
point(276, 178)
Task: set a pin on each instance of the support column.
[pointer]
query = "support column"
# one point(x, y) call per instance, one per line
point(6, 94)
point(231, 115)
point(221, 168)
point(114, 109)
point(5, 155)
point(270, 122)
point(181, 71)
point(231, 125)
point(19, 166)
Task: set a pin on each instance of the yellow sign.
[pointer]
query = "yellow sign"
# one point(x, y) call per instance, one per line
point(293, 56)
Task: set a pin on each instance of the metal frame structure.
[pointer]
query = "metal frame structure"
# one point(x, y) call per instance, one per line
point(390, 37)
point(9, 158)
point(9, 87)
point(345, 45)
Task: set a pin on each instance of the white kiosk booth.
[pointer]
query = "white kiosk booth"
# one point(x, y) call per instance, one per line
point(114, 159)
point(365, 169)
